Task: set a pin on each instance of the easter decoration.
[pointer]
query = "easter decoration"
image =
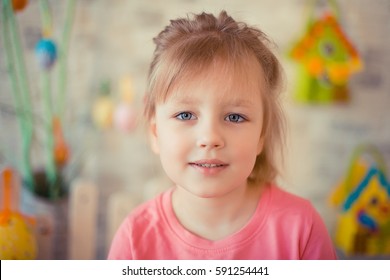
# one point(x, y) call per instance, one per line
point(125, 115)
point(107, 113)
point(363, 202)
point(103, 107)
point(19, 5)
point(17, 239)
point(51, 57)
point(326, 58)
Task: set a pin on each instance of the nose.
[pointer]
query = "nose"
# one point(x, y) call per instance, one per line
point(210, 135)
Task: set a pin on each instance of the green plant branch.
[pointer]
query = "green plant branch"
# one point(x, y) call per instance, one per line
point(63, 48)
point(45, 17)
point(51, 171)
point(18, 76)
point(21, 92)
point(20, 67)
point(46, 90)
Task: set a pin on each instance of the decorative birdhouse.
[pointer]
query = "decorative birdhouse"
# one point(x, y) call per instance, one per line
point(363, 200)
point(326, 61)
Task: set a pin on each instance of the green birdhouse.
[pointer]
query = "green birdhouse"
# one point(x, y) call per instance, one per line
point(326, 61)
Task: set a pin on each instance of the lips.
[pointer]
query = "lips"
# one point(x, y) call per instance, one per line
point(209, 163)
point(209, 167)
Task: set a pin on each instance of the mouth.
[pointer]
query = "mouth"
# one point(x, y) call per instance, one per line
point(209, 164)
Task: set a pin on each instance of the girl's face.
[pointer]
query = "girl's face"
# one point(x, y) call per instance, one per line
point(208, 130)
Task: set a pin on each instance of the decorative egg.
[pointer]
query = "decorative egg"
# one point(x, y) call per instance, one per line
point(19, 5)
point(125, 117)
point(126, 89)
point(102, 112)
point(61, 150)
point(17, 239)
point(46, 52)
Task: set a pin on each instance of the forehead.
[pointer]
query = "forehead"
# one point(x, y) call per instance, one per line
point(239, 81)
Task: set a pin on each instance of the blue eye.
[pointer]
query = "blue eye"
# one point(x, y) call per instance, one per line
point(234, 118)
point(185, 116)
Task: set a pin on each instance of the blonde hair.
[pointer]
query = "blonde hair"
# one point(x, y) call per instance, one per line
point(188, 45)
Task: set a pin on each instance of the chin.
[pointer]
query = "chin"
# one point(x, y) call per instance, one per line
point(207, 194)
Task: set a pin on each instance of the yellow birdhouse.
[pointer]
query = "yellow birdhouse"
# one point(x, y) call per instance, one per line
point(363, 200)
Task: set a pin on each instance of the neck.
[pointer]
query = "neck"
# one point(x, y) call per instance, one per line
point(215, 218)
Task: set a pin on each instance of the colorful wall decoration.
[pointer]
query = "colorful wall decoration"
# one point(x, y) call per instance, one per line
point(326, 59)
point(363, 203)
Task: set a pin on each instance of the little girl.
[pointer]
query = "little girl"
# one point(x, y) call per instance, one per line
point(212, 105)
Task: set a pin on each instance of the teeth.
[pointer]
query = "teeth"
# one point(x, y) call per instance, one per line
point(208, 165)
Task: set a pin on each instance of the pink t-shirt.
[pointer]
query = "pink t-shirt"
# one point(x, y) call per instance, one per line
point(284, 226)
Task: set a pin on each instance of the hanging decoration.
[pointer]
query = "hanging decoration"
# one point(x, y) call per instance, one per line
point(122, 115)
point(19, 5)
point(61, 150)
point(46, 52)
point(17, 238)
point(103, 107)
point(125, 115)
point(326, 59)
point(363, 201)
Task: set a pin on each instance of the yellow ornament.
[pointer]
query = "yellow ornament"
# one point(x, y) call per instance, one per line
point(102, 112)
point(17, 239)
point(126, 89)
point(103, 107)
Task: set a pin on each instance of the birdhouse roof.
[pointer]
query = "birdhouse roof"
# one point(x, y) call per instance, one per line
point(371, 174)
point(326, 26)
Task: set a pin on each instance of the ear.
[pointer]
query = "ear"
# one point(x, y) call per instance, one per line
point(260, 145)
point(153, 136)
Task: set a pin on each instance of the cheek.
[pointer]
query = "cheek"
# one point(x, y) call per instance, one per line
point(246, 153)
point(249, 154)
point(174, 154)
point(172, 143)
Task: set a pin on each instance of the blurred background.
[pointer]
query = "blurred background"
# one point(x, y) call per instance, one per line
point(72, 78)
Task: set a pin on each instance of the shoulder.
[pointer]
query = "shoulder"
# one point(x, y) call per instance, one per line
point(283, 200)
point(290, 210)
point(296, 216)
point(139, 227)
